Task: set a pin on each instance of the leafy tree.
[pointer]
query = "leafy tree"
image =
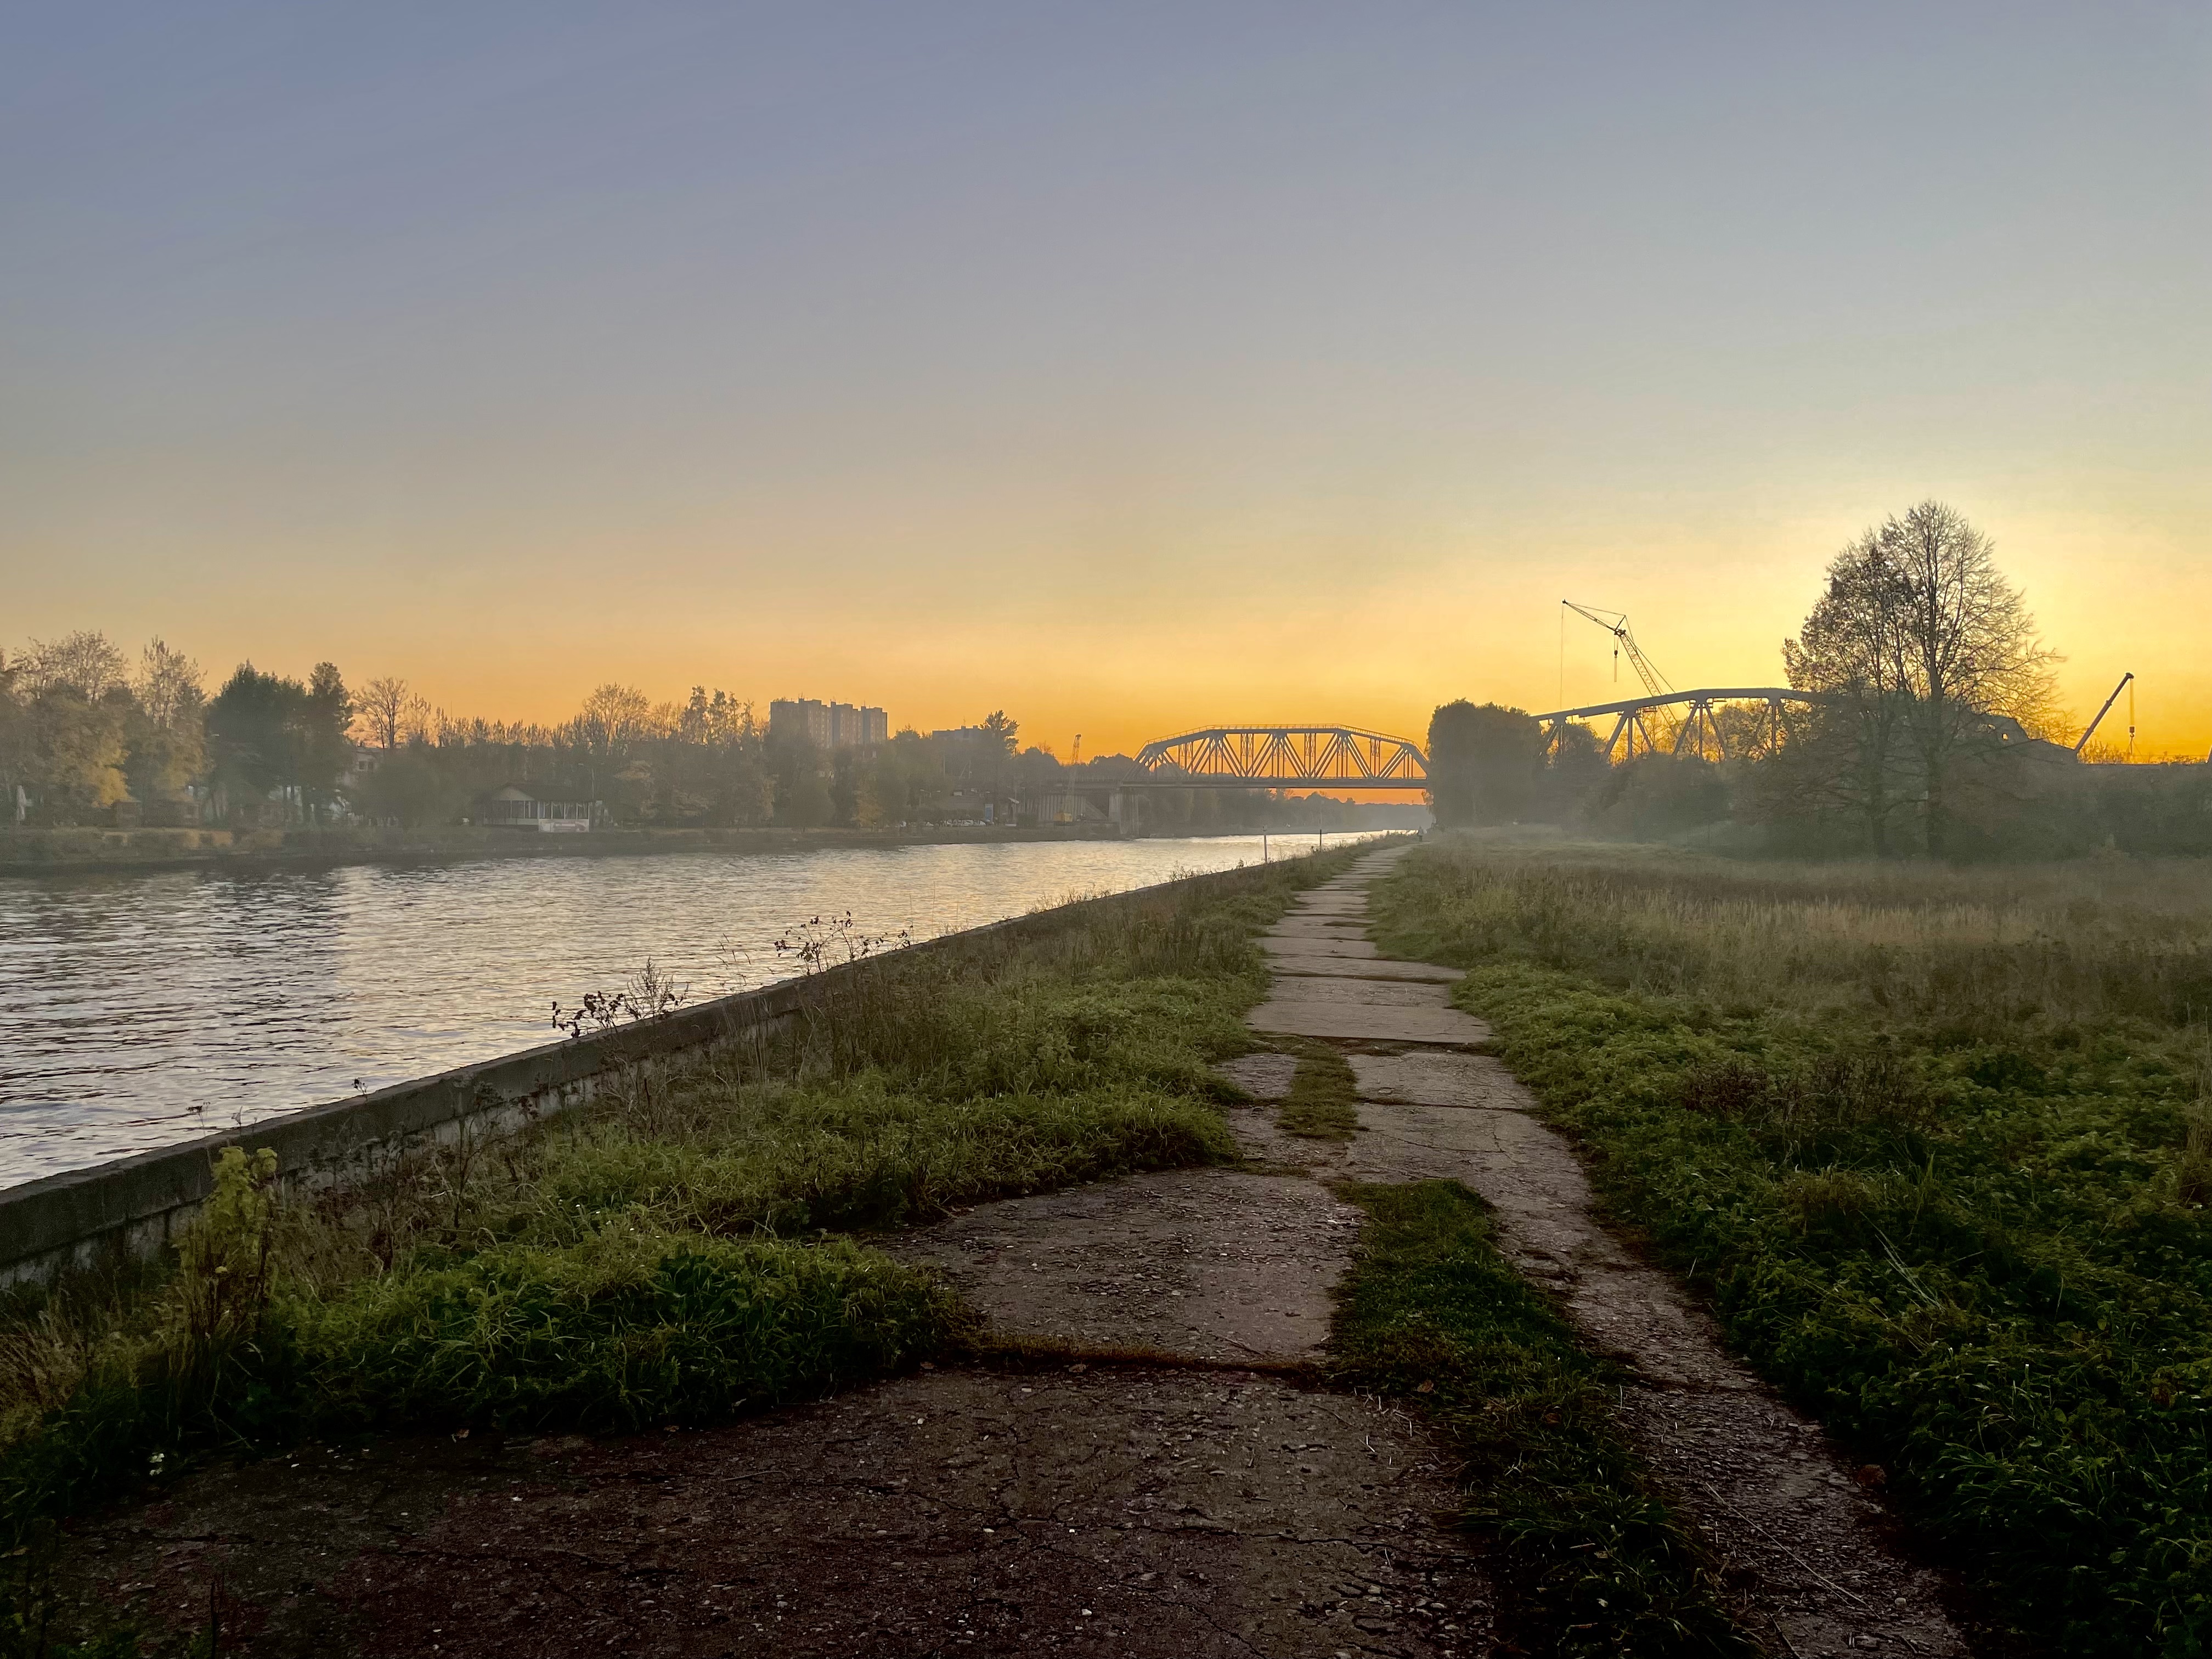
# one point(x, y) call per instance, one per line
point(166, 729)
point(802, 794)
point(250, 737)
point(270, 736)
point(14, 740)
point(1574, 766)
point(84, 662)
point(79, 745)
point(325, 718)
point(411, 788)
point(1654, 796)
point(1482, 763)
point(1925, 653)
point(907, 780)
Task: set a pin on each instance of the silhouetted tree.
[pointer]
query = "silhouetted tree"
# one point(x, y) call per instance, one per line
point(382, 704)
point(1925, 653)
point(1482, 763)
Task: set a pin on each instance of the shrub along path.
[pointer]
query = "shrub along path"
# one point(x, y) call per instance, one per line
point(1804, 1547)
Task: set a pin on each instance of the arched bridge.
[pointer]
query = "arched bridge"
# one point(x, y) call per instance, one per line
point(1285, 757)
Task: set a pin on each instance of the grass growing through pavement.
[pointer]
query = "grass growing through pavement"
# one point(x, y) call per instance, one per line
point(1433, 1314)
point(1937, 1144)
point(677, 1252)
point(1323, 1103)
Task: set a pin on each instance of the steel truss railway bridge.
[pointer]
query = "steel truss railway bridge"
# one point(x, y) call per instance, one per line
point(1722, 722)
point(1731, 723)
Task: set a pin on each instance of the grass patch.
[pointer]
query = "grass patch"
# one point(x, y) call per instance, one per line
point(1433, 1314)
point(1934, 1144)
point(684, 1251)
point(1323, 1103)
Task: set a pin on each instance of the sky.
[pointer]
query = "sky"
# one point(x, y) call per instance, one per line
point(1130, 367)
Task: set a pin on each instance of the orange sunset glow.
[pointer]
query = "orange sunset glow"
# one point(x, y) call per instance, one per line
point(1298, 373)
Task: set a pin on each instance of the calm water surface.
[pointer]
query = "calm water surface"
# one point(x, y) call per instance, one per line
point(141, 1009)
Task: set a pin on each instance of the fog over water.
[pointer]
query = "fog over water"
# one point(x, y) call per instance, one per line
point(147, 1009)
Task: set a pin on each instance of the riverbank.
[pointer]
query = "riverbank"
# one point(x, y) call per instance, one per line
point(59, 852)
point(661, 1253)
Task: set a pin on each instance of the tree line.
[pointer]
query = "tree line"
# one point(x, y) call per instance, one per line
point(83, 730)
point(88, 736)
point(1930, 725)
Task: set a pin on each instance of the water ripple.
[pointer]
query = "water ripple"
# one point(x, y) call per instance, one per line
point(146, 1009)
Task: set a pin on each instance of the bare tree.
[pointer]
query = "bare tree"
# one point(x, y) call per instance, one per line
point(418, 722)
point(381, 704)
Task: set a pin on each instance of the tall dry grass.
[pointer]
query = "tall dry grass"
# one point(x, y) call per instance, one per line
point(2079, 941)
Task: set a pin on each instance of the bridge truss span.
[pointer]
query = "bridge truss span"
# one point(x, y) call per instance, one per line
point(1725, 722)
point(1286, 757)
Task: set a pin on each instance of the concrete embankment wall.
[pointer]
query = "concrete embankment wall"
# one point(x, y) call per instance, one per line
point(132, 1207)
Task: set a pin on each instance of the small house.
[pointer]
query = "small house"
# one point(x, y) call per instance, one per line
point(516, 808)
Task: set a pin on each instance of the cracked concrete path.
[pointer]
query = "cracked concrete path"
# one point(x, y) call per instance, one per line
point(1805, 1545)
point(1098, 1513)
point(1220, 1265)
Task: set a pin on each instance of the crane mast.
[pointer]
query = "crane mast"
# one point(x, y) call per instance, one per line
point(1616, 623)
point(2091, 730)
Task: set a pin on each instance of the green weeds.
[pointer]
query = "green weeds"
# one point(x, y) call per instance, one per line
point(1323, 1103)
point(1934, 1144)
point(1433, 1315)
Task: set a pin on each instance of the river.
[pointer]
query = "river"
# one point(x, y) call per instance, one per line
point(144, 1009)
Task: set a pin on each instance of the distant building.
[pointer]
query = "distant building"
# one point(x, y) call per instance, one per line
point(828, 725)
point(513, 808)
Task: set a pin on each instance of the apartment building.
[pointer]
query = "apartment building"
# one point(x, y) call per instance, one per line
point(828, 725)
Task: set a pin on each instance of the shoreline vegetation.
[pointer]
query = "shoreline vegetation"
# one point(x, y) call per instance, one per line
point(695, 1247)
point(36, 852)
point(88, 741)
point(1934, 1144)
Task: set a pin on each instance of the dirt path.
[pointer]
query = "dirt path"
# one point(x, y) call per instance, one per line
point(1805, 1545)
point(1106, 1513)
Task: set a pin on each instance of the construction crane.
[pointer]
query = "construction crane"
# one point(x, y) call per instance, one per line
point(1616, 623)
point(2125, 680)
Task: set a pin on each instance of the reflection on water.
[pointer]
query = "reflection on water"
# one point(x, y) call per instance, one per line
point(145, 1009)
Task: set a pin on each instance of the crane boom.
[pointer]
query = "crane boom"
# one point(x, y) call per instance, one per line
point(2101, 713)
point(1616, 623)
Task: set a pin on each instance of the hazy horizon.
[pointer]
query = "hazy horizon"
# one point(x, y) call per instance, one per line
point(1128, 367)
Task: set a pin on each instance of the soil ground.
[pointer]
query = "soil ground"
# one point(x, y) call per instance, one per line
point(1161, 1478)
